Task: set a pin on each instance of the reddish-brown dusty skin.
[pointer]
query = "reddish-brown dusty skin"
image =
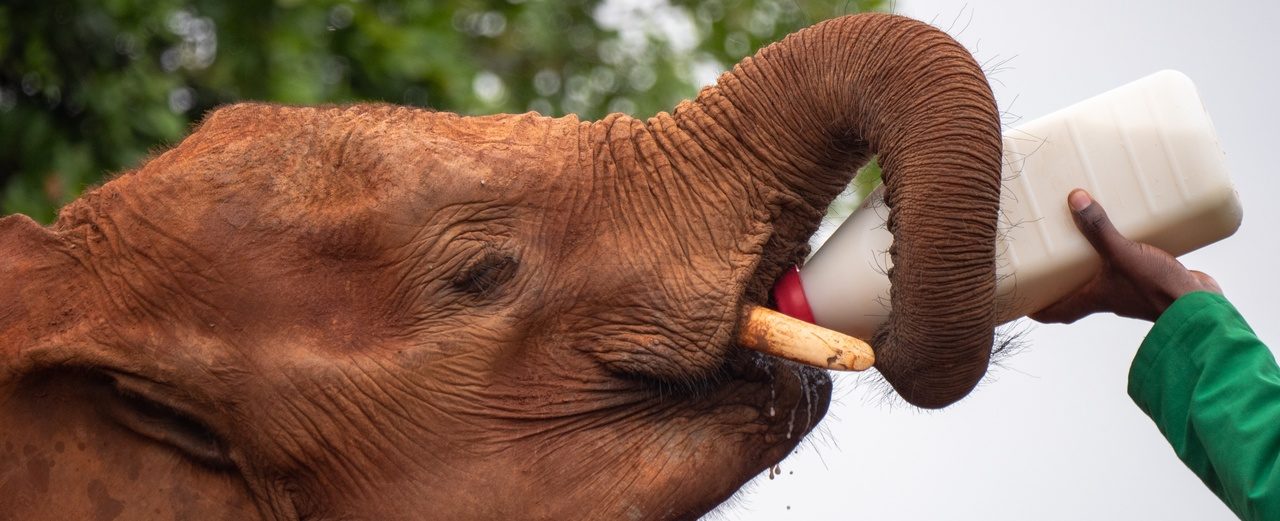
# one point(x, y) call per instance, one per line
point(378, 312)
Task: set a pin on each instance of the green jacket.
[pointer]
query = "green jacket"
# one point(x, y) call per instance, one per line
point(1213, 389)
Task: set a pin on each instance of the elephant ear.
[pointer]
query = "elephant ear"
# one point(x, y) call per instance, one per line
point(37, 273)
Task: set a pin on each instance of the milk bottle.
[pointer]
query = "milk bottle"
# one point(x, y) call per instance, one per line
point(1147, 151)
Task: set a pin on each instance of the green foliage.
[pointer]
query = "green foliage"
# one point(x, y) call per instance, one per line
point(89, 87)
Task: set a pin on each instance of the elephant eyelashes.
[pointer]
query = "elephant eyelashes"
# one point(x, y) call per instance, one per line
point(151, 418)
point(485, 276)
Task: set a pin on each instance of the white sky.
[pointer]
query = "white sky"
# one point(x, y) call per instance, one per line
point(1053, 434)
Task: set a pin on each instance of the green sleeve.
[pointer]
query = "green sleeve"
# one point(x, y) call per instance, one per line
point(1213, 389)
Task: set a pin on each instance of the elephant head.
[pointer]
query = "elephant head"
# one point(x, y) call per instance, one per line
point(383, 312)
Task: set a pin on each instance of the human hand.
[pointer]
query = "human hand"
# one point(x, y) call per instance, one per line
point(1137, 280)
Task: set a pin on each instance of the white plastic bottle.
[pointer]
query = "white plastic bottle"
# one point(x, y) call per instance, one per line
point(1147, 151)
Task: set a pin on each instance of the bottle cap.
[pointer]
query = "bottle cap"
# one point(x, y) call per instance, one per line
point(789, 295)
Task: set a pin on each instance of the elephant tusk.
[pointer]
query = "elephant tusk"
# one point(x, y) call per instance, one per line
point(774, 333)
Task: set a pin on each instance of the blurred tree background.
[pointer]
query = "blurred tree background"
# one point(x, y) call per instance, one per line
point(90, 87)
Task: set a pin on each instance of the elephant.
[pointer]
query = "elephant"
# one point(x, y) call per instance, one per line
point(381, 312)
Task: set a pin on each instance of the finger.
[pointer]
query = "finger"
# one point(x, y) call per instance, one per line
point(1082, 303)
point(1209, 283)
point(1092, 221)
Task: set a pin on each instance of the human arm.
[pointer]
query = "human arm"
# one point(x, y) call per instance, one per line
point(1204, 378)
point(1213, 389)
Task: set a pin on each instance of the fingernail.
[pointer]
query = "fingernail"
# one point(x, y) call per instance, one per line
point(1079, 200)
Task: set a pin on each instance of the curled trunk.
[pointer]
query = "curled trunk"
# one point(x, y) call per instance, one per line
point(802, 115)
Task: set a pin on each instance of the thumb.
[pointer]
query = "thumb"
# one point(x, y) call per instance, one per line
point(1092, 221)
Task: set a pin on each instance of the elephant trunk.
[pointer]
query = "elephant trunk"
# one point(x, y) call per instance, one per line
point(802, 115)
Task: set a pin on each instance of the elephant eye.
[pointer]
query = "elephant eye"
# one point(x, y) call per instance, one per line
point(146, 413)
point(487, 274)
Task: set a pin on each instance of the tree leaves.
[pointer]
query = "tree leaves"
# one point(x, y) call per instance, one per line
point(88, 87)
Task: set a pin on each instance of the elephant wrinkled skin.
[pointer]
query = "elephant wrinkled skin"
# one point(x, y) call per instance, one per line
point(380, 312)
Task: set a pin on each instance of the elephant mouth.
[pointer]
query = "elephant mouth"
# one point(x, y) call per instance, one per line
point(799, 394)
point(762, 327)
point(791, 400)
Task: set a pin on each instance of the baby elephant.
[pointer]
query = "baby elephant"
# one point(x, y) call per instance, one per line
point(381, 312)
